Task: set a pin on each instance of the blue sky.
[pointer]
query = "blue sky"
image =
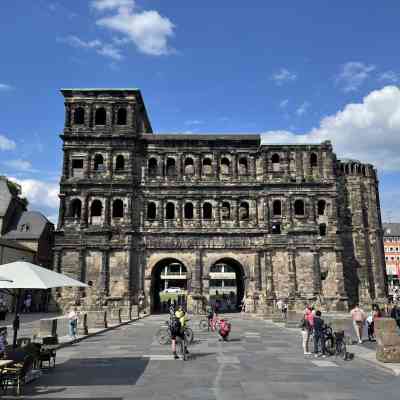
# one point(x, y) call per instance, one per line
point(294, 71)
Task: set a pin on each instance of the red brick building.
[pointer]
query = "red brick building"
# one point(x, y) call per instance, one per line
point(392, 253)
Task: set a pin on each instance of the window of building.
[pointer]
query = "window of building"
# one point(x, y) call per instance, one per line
point(76, 208)
point(244, 211)
point(276, 229)
point(96, 208)
point(98, 162)
point(79, 116)
point(170, 211)
point(313, 160)
point(151, 210)
point(321, 207)
point(189, 166)
point(275, 159)
point(207, 166)
point(299, 207)
point(121, 116)
point(25, 228)
point(216, 282)
point(100, 116)
point(207, 211)
point(226, 211)
point(188, 211)
point(120, 163)
point(153, 166)
point(243, 166)
point(322, 229)
point(118, 209)
point(171, 171)
point(77, 163)
point(277, 208)
point(216, 268)
point(386, 258)
point(225, 166)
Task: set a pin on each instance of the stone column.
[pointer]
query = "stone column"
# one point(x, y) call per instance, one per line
point(236, 212)
point(269, 276)
point(85, 211)
point(66, 163)
point(88, 166)
point(104, 281)
point(107, 211)
point(234, 167)
point(62, 210)
point(312, 215)
point(317, 283)
point(257, 272)
point(292, 278)
point(341, 301)
point(68, 115)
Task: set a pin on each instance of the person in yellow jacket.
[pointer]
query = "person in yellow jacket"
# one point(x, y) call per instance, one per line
point(182, 317)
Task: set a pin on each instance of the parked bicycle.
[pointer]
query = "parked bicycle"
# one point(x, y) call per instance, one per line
point(334, 343)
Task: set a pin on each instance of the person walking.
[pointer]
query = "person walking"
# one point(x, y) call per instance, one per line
point(319, 336)
point(395, 314)
point(178, 324)
point(72, 323)
point(358, 317)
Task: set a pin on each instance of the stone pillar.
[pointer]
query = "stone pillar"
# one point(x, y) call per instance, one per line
point(68, 116)
point(107, 211)
point(85, 211)
point(269, 277)
point(66, 162)
point(257, 272)
point(292, 278)
point(234, 167)
point(317, 283)
point(61, 215)
point(312, 215)
point(105, 273)
point(341, 300)
point(236, 212)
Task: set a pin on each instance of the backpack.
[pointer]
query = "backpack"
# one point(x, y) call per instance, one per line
point(175, 326)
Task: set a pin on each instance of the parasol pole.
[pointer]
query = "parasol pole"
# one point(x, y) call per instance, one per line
point(16, 321)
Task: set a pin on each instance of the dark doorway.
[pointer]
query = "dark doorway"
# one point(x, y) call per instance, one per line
point(168, 284)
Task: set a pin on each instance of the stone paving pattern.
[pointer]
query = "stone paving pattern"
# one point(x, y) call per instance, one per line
point(261, 361)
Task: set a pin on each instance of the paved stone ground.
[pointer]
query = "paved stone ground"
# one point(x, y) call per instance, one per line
point(261, 361)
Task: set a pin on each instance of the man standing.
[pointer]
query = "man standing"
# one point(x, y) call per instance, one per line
point(358, 317)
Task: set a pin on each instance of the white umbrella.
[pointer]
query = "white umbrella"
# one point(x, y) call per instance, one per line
point(24, 275)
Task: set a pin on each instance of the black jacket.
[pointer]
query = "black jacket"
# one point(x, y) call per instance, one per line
point(318, 325)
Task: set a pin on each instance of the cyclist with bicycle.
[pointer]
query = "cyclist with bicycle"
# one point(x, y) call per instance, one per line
point(177, 327)
point(319, 335)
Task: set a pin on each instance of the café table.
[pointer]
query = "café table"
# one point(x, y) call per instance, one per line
point(4, 364)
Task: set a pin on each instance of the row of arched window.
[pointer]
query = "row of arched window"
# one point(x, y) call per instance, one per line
point(100, 116)
point(96, 209)
point(353, 169)
point(170, 168)
point(98, 163)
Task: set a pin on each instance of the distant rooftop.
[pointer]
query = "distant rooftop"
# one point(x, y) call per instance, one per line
point(391, 229)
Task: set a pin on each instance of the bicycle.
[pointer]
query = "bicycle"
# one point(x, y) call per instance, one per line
point(204, 324)
point(334, 343)
point(164, 335)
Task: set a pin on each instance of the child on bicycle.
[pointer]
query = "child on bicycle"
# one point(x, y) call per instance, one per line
point(177, 327)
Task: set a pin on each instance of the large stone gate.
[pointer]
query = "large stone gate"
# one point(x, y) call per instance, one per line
point(299, 223)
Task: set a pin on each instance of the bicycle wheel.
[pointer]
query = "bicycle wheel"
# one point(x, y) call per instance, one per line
point(163, 336)
point(203, 325)
point(189, 335)
point(330, 346)
point(341, 350)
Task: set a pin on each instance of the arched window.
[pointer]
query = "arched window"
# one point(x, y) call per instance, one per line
point(189, 166)
point(276, 229)
point(79, 116)
point(277, 208)
point(96, 208)
point(118, 209)
point(188, 211)
point(98, 162)
point(120, 163)
point(322, 229)
point(152, 167)
point(275, 159)
point(347, 169)
point(299, 207)
point(170, 211)
point(243, 166)
point(151, 210)
point(171, 167)
point(100, 116)
point(76, 208)
point(313, 160)
point(363, 170)
point(207, 211)
point(321, 207)
point(226, 211)
point(225, 166)
point(207, 166)
point(25, 228)
point(121, 116)
point(244, 211)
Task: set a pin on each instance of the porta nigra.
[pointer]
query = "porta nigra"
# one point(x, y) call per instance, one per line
point(274, 221)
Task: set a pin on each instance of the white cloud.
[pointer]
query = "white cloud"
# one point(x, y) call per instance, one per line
point(353, 75)
point(105, 49)
point(389, 76)
point(39, 193)
point(4, 87)
point(148, 30)
point(194, 122)
point(53, 218)
point(368, 131)
point(20, 165)
point(6, 144)
point(303, 108)
point(283, 76)
point(284, 103)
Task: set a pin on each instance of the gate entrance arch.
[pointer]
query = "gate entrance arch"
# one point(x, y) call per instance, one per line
point(169, 279)
point(227, 284)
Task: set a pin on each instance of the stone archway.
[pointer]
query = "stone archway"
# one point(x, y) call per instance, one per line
point(167, 274)
point(227, 283)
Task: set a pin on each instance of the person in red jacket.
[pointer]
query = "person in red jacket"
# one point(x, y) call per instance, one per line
point(224, 329)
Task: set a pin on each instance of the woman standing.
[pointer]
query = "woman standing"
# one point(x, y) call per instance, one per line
point(306, 328)
point(72, 322)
